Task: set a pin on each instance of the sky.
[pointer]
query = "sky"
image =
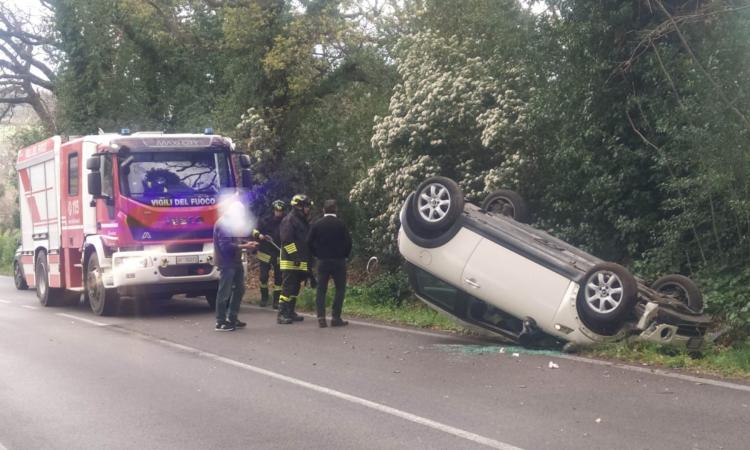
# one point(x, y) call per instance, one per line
point(32, 7)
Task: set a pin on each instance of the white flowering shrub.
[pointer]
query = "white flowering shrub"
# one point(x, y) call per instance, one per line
point(458, 113)
point(256, 138)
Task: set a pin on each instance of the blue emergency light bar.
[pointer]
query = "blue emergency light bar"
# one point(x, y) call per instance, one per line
point(125, 131)
point(208, 130)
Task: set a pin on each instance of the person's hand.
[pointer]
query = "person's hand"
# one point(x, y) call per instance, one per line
point(252, 245)
point(262, 237)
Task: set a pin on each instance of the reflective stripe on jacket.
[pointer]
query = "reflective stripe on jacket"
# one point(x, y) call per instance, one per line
point(294, 252)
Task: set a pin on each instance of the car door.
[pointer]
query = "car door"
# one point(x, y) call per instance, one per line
point(513, 282)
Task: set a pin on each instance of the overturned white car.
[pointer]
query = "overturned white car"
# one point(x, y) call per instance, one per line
point(487, 268)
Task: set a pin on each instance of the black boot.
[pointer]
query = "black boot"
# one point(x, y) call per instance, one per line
point(276, 294)
point(293, 314)
point(263, 296)
point(282, 317)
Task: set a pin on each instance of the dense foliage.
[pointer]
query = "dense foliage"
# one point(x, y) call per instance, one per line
point(624, 123)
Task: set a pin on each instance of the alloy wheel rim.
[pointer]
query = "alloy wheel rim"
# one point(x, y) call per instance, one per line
point(434, 202)
point(604, 292)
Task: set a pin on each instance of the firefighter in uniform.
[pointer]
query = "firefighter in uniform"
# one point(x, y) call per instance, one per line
point(268, 235)
point(295, 257)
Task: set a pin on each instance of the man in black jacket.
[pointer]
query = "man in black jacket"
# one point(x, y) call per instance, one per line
point(331, 243)
point(295, 257)
point(269, 237)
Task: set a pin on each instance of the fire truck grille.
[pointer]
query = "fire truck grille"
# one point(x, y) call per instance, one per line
point(185, 270)
point(146, 234)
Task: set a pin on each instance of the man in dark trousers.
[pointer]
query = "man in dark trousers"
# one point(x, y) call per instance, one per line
point(228, 258)
point(331, 243)
point(269, 237)
point(295, 257)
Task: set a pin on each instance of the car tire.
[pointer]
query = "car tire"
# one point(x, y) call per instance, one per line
point(103, 301)
point(607, 295)
point(507, 203)
point(18, 277)
point(437, 204)
point(682, 288)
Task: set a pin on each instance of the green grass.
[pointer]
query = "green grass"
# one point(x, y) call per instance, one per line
point(729, 361)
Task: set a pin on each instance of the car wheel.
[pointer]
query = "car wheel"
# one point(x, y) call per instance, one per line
point(682, 288)
point(103, 302)
point(437, 204)
point(211, 299)
point(607, 294)
point(18, 278)
point(507, 203)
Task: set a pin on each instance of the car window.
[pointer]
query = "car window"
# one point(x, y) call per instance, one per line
point(440, 292)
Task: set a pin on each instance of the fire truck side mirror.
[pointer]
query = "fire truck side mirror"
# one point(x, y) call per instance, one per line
point(245, 161)
point(95, 184)
point(94, 163)
point(247, 178)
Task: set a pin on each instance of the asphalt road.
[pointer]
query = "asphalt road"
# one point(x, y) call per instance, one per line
point(165, 379)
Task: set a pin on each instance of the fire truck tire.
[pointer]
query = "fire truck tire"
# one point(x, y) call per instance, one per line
point(47, 296)
point(211, 299)
point(104, 302)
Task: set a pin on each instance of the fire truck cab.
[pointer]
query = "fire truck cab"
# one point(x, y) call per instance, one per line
point(120, 214)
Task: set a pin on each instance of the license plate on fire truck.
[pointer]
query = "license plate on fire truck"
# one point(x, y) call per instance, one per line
point(189, 259)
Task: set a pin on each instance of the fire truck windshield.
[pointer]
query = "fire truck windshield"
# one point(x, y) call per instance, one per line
point(174, 178)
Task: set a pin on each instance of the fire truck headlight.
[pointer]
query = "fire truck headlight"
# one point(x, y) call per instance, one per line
point(132, 262)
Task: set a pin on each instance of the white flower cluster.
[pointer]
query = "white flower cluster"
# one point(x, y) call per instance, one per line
point(455, 113)
point(255, 136)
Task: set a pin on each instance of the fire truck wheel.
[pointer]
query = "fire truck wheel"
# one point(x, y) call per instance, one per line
point(103, 302)
point(47, 296)
point(211, 299)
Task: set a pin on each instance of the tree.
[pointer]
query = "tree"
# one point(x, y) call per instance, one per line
point(312, 83)
point(459, 111)
point(137, 64)
point(27, 69)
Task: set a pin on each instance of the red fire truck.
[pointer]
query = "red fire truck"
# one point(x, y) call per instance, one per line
point(139, 223)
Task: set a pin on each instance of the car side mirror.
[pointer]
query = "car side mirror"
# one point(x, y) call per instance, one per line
point(247, 178)
point(245, 161)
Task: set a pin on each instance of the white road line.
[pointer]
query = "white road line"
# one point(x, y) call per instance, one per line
point(29, 307)
point(343, 396)
point(81, 319)
point(7, 302)
point(2, 447)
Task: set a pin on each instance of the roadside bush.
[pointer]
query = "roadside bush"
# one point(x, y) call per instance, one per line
point(8, 239)
point(390, 289)
point(727, 295)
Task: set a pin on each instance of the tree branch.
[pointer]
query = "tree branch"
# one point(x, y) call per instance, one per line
point(703, 70)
